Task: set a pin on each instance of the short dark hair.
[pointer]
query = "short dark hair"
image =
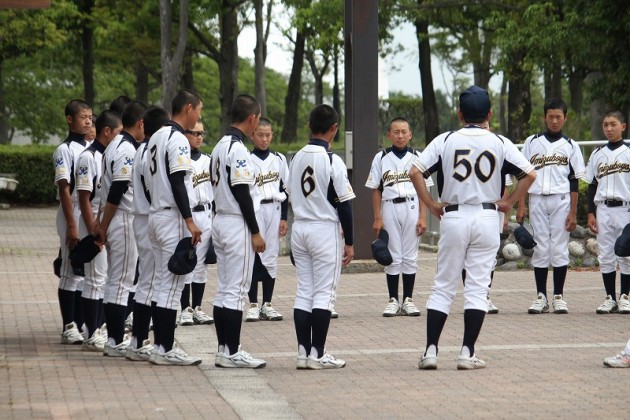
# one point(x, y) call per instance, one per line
point(118, 104)
point(183, 98)
point(322, 118)
point(107, 118)
point(398, 119)
point(243, 106)
point(75, 106)
point(555, 103)
point(154, 118)
point(265, 122)
point(133, 112)
point(616, 114)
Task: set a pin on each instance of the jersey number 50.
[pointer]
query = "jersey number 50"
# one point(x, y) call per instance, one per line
point(461, 160)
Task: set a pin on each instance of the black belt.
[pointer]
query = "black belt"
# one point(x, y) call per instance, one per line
point(402, 199)
point(613, 203)
point(201, 207)
point(455, 207)
point(266, 201)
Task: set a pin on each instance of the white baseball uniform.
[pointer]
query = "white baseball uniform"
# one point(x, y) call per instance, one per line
point(122, 254)
point(141, 206)
point(610, 170)
point(270, 173)
point(201, 205)
point(64, 159)
point(316, 237)
point(231, 166)
point(400, 206)
point(168, 152)
point(556, 164)
point(88, 178)
point(471, 163)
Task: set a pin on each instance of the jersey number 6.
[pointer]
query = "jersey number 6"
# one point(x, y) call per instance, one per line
point(460, 159)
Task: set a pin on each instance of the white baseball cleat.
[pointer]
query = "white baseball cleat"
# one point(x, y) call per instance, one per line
point(539, 306)
point(392, 308)
point(71, 334)
point(200, 317)
point(428, 362)
point(240, 359)
point(491, 308)
point(186, 317)
point(327, 361)
point(268, 313)
point(174, 357)
point(253, 313)
point(140, 354)
point(559, 305)
point(609, 306)
point(622, 360)
point(95, 343)
point(408, 308)
point(129, 322)
point(469, 363)
point(334, 314)
point(623, 304)
point(112, 349)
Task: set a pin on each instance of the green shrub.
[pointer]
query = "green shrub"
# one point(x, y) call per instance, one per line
point(33, 169)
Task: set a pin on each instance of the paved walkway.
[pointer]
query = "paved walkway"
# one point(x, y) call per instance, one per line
point(538, 366)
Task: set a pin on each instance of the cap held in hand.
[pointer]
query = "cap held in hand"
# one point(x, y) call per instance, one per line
point(184, 259)
point(380, 252)
point(84, 251)
point(622, 244)
point(524, 238)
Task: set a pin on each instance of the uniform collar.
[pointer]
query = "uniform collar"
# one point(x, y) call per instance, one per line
point(319, 142)
point(175, 126)
point(615, 145)
point(97, 146)
point(235, 133)
point(261, 154)
point(128, 137)
point(79, 138)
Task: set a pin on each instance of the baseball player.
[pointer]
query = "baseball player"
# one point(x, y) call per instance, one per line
point(88, 180)
point(201, 203)
point(271, 174)
point(168, 170)
point(553, 202)
point(79, 118)
point(115, 228)
point(471, 164)
point(396, 208)
point(236, 235)
point(139, 348)
point(609, 209)
point(320, 197)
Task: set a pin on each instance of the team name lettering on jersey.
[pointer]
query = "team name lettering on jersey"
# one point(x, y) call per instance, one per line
point(539, 161)
point(262, 179)
point(200, 178)
point(605, 169)
point(390, 178)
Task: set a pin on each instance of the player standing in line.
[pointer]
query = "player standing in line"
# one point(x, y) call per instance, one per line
point(169, 183)
point(235, 234)
point(140, 347)
point(88, 181)
point(553, 202)
point(79, 118)
point(271, 174)
point(471, 164)
point(609, 209)
point(201, 202)
point(320, 197)
point(115, 228)
point(396, 208)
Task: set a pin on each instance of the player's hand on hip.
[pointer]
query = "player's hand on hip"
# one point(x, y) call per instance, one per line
point(377, 226)
point(348, 254)
point(436, 209)
point(284, 227)
point(503, 206)
point(592, 222)
point(258, 242)
point(570, 223)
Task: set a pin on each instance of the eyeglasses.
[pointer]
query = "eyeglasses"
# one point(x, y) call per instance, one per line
point(196, 133)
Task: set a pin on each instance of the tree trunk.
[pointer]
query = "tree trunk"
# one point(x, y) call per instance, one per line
point(188, 79)
point(259, 58)
point(336, 90)
point(318, 75)
point(502, 108)
point(4, 117)
point(171, 65)
point(519, 104)
point(294, 90)
point(597, 109)
point(142, 84)
point(576, 90)
point(229, 62)
point(429, 104)
point(87, 40)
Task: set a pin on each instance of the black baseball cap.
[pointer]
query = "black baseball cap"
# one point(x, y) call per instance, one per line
point(184, 259)
point(622, 244)
point(84, 251)
point(380, 251)
point(474, 103)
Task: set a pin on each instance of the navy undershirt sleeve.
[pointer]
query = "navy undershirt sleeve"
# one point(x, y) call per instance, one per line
point(116, 191)
point(592, 189)
point(344, 209)
point(244, 200)
point(179, 193)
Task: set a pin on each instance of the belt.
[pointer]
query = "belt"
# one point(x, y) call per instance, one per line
point(201, 207)
point(398, 200)
point(266, 201)
point(614, 203)
point(455, 207)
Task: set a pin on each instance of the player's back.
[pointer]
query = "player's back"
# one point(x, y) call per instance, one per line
point(141, 204)
point(309, 180)
point(118, 166)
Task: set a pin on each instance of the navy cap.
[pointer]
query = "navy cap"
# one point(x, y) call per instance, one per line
point(184, 259)
point(524, 238)
point(211, 255)
point(380, 251)
point(622, 244)
point(474, 103)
